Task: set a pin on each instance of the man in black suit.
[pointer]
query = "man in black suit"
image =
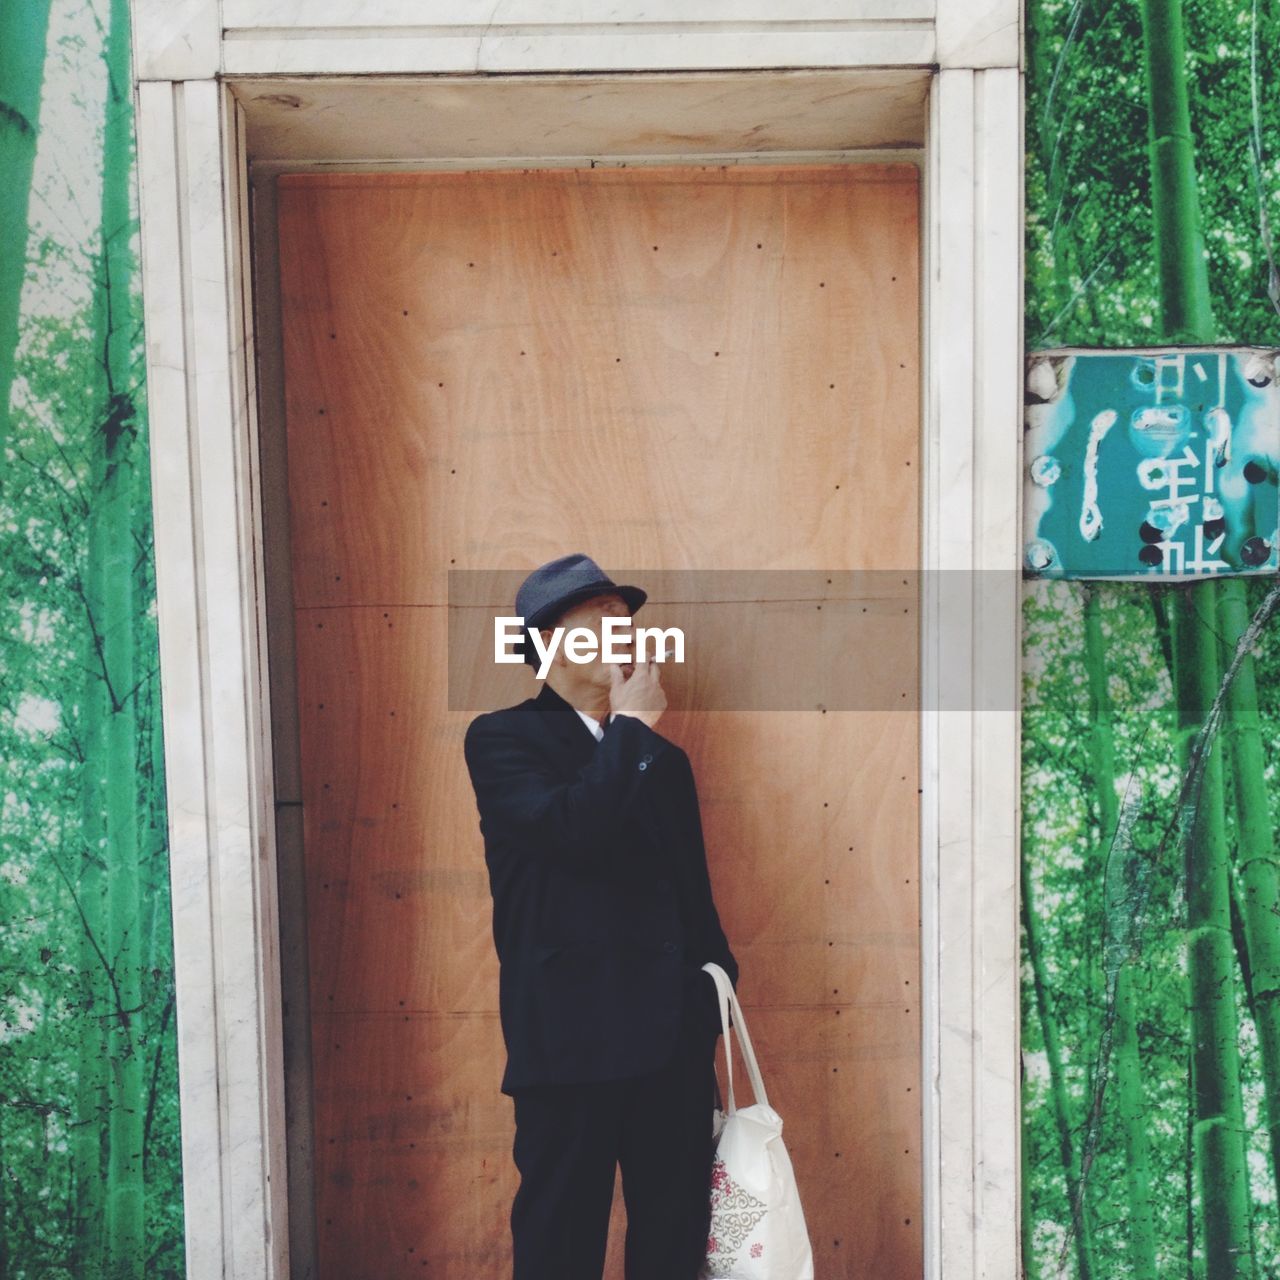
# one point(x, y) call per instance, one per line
point(602, 918)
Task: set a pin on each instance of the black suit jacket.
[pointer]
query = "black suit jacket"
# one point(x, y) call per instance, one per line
point(602, 906)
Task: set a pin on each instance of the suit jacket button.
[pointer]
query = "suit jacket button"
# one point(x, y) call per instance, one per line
point(668, 947)
point(648, 759)
point(642, 766)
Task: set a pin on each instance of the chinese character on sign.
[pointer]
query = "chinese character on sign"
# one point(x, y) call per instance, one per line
point(1145, 464)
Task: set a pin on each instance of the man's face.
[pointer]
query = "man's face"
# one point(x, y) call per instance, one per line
point(588, 614)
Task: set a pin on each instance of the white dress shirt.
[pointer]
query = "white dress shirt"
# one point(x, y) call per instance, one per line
point(594, 725)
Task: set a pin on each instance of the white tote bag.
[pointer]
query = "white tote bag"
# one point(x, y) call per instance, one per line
point(757, 1224)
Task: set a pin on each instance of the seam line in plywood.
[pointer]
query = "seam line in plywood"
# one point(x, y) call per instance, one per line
point(891, 153)
point(503, 604)
point(774, 173)
point(402, 1012)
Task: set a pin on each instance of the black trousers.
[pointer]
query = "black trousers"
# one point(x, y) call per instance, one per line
point(570, 1139)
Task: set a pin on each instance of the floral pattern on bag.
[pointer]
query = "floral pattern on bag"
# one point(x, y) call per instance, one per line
point(734, 1214)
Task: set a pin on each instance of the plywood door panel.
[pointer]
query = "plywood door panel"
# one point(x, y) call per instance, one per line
point(483, 345)
point(484, 370)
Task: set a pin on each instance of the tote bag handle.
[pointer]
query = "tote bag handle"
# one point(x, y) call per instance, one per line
point(728, 998)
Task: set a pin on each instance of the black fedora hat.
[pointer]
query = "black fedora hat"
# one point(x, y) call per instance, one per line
point(561, 583)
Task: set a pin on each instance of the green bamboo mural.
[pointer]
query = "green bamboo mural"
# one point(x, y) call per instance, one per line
point(1218, 1150)
point(23, 33)
point(1068, 1152)
point(89, 1123)
point(1131, 1102)
point(1222, 1180)
point(111, 556)
point(1257, 868)
point(1168, 1067)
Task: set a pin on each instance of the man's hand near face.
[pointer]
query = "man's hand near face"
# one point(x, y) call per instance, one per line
point(640, 694)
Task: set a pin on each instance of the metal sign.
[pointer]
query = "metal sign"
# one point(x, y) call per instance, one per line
point(1151, 463)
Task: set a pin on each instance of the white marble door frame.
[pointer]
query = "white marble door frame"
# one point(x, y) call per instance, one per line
point(209, 557)
point(217, 743)
point(971, 642)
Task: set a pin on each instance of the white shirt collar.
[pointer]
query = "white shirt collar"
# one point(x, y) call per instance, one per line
point(593, 724)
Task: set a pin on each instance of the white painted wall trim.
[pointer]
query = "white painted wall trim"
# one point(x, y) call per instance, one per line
point(499, 15)
point(971, 653)
point(687, 47)
point(998, 663)
point(198, 39)
point(175, 39)
point(979, 33)
point(354, 36)
point(217, 752)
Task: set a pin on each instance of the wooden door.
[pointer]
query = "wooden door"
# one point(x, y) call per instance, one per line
point(703, 367)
